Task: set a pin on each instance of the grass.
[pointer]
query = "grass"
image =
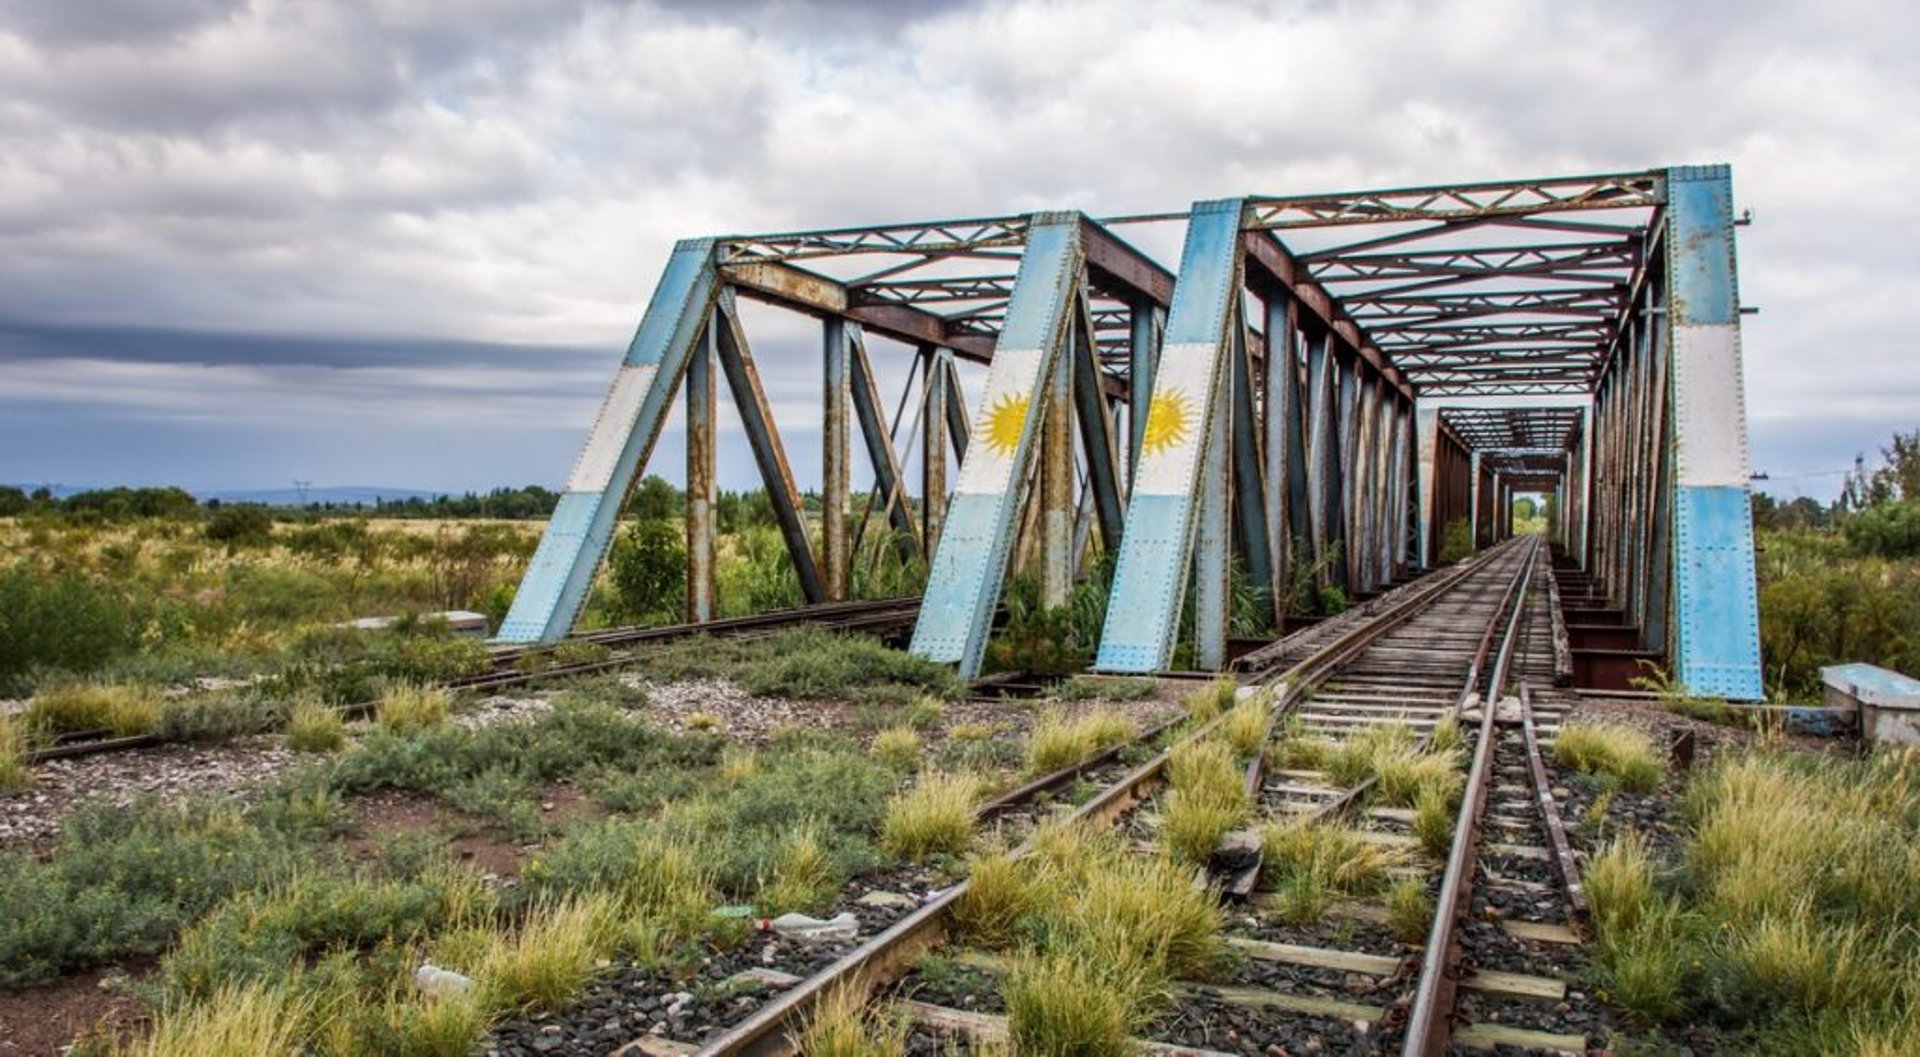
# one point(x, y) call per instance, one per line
point(935, 817)
point(999, 898)
point(1310, 864)
point(844, 1026)
point(251, 1019)
point(1058, 742)
point(124, 709)
point(1619, 884)
point(550, 958)
point(1446, 735)
point(1211, 700)
point(1619, 754)
point(1407, 778)
point(1789, 914)
point(1433, 822)
point(1245, 727)
point(804, 877)
point(1207, 799)
point(812, 663)
point(897, 747)
point(1065, 1005)
point(1409, 911)
point(14, 772)
point(1357, 758)
point(1142, 917)
point(408, 708)
point(314, 727)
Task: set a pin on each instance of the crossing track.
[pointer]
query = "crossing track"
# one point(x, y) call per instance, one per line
point(1423, 652)
point(510, 667)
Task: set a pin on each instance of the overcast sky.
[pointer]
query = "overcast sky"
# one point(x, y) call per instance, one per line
point(404, 242)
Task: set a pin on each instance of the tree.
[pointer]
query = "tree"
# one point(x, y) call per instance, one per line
point(648, 571)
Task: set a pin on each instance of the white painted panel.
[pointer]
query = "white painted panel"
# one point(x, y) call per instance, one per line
point(1710, 407)
point(593, 470)
point(1176, 422)
point(1004, 408)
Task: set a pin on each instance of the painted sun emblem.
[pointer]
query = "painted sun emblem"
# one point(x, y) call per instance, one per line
point(1169, 422)
point(1005, 422)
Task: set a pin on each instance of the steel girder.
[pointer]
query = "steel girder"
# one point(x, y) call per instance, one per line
point(1308, 458)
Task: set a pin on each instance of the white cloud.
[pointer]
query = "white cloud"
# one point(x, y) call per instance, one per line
point(518, 171)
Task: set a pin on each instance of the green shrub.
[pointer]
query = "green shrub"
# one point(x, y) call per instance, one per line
point(240, 525)
point(814, 663)
point(125, 881)
point(62, 623)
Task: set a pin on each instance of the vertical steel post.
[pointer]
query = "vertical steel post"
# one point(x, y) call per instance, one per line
point(1143, 360)
point(1249, 484)
point(1212, 597)
point(1716, 626)
point(1427, 425)
point(1279, 418)
point(933, 444)
point(835, 487)
point(1056, 483)
point(1323, 460)
point(701, 412)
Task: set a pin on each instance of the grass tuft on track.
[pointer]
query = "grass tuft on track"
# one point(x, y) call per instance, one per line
point(935, 817)
point(1619, 754)
point(1058, 742)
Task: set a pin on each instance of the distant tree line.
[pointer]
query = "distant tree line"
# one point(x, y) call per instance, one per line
point(1878, 510)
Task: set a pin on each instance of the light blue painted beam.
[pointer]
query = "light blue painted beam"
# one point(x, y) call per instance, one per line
point(1716, 617)
point(969, 566)
point(561, 572)
point(1157, 546)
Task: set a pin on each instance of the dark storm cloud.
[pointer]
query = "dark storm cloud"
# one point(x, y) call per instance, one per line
point(20, 341)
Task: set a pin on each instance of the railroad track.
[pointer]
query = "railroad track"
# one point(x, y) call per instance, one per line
point(509, 667)
point(1437, 654)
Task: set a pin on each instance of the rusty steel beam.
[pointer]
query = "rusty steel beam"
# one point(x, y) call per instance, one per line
point(818, 295)
point(1276, 267)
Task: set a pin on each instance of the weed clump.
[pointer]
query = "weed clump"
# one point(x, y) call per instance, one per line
point(814, 663)
point(1066, 1005)
point(1310, 864)
point(314, 727)
point(1104, 688)
point(1409, 911)
point(1211, 700)
point(999, 897)
point(1618, 753)
point(121, 709)
point(804, 876)
point(14, 772)
point(408, 708)
point(1207, 799)
point(1245, 727)
point(843, 1026)
point(1058, 743)
point(550, 958)
point(897, 747)
point(935, 817)
point(249, 1018)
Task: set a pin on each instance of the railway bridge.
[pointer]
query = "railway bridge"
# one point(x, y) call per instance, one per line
point(1327, 392)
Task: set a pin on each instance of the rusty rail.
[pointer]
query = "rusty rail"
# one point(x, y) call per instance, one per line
point(1550, 812)
point(1429, 1019)
point(882, 959)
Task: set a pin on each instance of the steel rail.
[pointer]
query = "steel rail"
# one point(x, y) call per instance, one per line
point(839, 616)
point(1550, 812)
point(770, 1031)
point(1429, 1018)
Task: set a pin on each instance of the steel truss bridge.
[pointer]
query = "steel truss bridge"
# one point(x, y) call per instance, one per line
point(1328, 391)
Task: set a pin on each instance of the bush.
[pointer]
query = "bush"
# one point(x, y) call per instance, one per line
point(1889, 529)
point(240, 525)
point(61, 623)
point(125, 881)
point(815, 663)
point(647, 570)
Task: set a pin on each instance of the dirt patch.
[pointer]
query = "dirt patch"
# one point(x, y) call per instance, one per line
point(395, 814)
point(41, 1021)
